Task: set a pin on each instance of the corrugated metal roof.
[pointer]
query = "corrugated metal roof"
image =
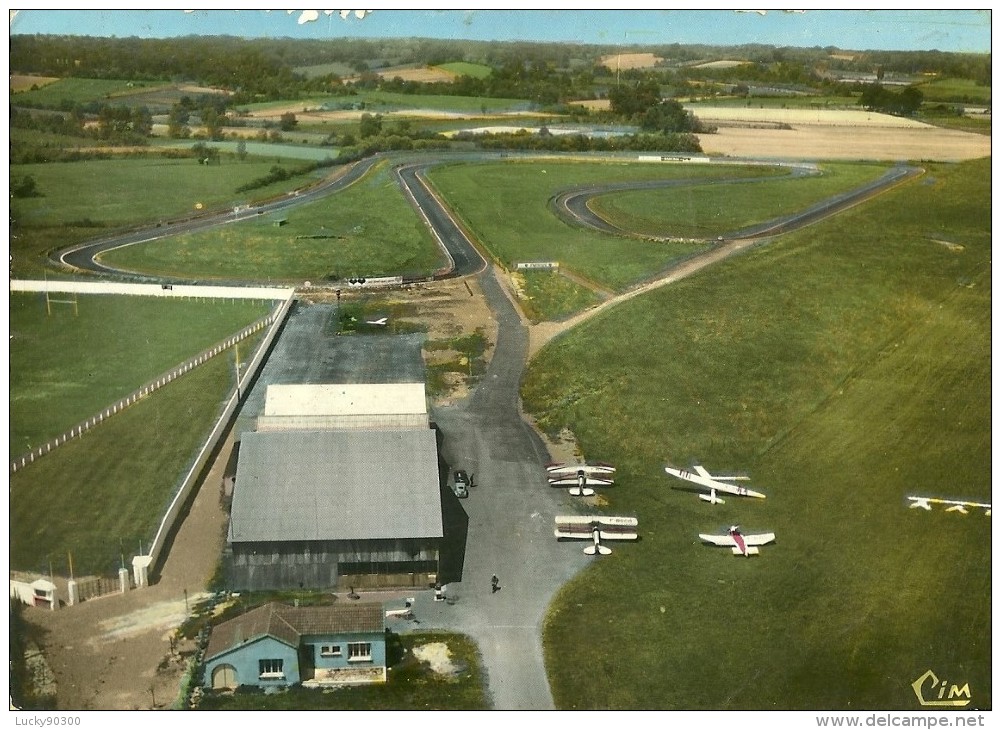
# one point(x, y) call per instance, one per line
point(289, 623)
point(345, 399)
point(336, 485)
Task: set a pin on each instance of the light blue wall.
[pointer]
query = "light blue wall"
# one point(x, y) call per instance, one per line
point(376, 639)
point(245, 658)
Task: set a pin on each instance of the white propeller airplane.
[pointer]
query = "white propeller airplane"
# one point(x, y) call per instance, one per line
point(714, 483)
point(596, 528)
point(739, 543)
point(598, 468)
point(381, 322)
point(579, 482)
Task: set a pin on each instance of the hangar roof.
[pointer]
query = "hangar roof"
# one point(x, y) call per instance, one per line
point(351, 399)
point(336, 485)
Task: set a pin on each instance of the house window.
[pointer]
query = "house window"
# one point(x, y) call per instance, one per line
point(271, 668)
point(360, 652)
point(330, 650)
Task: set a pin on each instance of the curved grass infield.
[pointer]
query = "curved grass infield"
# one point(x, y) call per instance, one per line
point(368, 229)
point(845, 367)
point(485, 194)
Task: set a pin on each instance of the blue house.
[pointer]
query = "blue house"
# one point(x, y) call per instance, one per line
point(276, 645)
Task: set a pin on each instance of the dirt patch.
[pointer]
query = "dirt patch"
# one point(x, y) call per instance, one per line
point(438, 656)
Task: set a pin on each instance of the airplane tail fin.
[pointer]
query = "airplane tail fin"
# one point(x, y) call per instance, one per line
point(750, 551)
point(599, 549)
point(711, 498)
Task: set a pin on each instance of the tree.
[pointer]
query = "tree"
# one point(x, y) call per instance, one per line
point(25, 187)
point(241, 150)
point(177, 122)
point(287, 122)
point(668, 116)
point(370, 125)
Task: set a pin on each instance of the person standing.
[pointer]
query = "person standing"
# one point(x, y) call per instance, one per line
point(494, 584)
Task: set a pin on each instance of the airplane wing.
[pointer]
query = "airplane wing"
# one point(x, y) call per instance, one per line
point(609, 527)
point(721, 540)
point(720, 477)
point(762, 539)
point(589, 469)
point(573, 481)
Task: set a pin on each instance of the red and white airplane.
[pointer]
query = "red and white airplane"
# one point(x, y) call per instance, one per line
point(738, 542)
point(596, 528)
point(714, 483)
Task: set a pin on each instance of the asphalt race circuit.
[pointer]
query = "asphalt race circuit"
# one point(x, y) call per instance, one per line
point(505, 526)
point(572, 206)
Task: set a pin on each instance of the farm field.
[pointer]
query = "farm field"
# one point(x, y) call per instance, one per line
point(101, 495)
point(383, 102)
point(844, 367)
point(69, 91)
point(368, 229)
point(66, 367)
point(21, 82)
point(827, 133)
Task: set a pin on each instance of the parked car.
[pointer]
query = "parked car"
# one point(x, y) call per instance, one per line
point(462, 484)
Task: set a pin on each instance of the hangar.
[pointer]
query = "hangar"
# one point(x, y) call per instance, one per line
point(348, 405)
point(341, 487)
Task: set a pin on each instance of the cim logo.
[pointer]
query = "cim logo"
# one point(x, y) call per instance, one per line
point(932, 692)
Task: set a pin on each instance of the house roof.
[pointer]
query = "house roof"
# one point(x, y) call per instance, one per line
point(336, 485)
point(289, 624)
point(346, 399)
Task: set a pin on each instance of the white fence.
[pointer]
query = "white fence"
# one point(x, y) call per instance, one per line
point(192, 477)
point(186, 291)
point(148, 388)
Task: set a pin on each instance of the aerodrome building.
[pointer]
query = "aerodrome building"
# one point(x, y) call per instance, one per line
point(340, 486)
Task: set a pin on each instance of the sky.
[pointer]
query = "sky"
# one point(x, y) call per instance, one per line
point(944, 30)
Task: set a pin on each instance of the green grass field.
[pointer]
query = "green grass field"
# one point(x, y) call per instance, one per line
point(66, 367)
point(956, 90)
point(845, 366)
point(713, 210)
point(79, 91)
point(79, 201)
point(548, 295)
point(106, 492)
point(367, 229)
point(613, 262)
point(463, 68)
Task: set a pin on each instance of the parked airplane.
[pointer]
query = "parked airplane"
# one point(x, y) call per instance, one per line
point(713, 483)
point(579, 482)
point(739, 543)
point(381, 322)
point(596, 528)
point(597, 468)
